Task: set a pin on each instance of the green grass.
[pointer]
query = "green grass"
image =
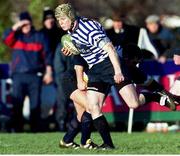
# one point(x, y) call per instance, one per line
point(47, 143)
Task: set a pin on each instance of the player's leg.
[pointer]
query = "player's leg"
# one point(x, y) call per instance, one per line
point(80, 101)
point(72, 131)
point(82, 122)
point(95, 98)
point(129, 95)
point(147, 97)
point(69, 86)
point(79, 97)
point(166, 98)
point(158, 93)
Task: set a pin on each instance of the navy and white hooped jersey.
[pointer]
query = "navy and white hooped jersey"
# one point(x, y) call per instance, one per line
point(89, 38)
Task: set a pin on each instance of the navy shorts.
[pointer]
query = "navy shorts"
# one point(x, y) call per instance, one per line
point(101, 77)
point(69, 85)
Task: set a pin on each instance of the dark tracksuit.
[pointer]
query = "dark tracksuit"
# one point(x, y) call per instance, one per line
point(29, 57)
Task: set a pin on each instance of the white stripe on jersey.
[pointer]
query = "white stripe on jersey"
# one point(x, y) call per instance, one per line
point(89, 37)
point(84, 29)
point(88, 26)
point(82, 35)
point(91, 23)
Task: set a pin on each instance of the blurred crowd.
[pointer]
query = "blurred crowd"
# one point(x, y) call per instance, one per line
point(38, 72)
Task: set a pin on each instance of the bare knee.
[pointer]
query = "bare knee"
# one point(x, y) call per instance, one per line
point(129, 95)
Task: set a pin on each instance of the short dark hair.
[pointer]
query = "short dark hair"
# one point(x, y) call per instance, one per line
point(116, 16)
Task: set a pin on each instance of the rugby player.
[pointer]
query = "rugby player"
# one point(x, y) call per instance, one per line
point(83, 121)
point(104, 67)
point(132, 56)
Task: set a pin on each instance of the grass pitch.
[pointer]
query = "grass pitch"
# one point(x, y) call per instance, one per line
point(47, 143)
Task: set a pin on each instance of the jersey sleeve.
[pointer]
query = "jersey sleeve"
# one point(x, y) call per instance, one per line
point(98, 37)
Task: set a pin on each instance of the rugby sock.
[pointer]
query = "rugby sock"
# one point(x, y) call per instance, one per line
point(155, 86)
point(73, 130)
point(102, 126)
point(86, 127)
point(149, 97)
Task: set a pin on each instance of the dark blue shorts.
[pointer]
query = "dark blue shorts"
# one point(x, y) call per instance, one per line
point(69, 85)
point(101, 77)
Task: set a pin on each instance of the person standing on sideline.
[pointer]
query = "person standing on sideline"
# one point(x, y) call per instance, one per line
point(121, 34)
point(30, 61)
point(162, 38)
point(50, 30)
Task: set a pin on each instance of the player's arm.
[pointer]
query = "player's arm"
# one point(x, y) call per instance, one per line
point(98, 38)
point(79, 66)
point(118, 77)
point(81, 84)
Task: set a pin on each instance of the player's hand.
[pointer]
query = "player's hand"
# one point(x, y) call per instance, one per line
point(82, 85)
point(66, 51)
point(119, 77)
point(20, 24)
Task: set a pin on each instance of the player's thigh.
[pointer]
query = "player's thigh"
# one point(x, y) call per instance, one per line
point(80, 110)
point(129, 95)
point(79, 97)
point(95, 100)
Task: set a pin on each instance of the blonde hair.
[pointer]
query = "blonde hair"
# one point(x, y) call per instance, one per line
point(65, 10)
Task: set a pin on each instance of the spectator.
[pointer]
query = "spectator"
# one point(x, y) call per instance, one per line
point(50, 30)
point(121, 35)
point(161, 37)
point(30, 60)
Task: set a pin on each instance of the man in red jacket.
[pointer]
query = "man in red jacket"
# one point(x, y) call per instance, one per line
point(31, 59)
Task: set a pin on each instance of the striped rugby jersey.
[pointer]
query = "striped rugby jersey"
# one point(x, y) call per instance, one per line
point(89, 38)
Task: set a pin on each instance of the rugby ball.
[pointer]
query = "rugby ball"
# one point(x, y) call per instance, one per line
point(66, 42)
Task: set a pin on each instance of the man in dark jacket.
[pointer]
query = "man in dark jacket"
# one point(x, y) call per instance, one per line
point(53, 34)
point(31, 60)
point(161, 37)
point(50, 29)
